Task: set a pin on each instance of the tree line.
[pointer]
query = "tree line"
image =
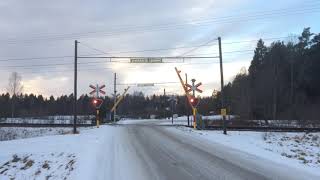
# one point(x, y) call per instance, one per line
point(283, 81)
point(134, 105)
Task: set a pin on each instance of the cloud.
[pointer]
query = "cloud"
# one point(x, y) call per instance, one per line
point(47, 85)
point(48, 28)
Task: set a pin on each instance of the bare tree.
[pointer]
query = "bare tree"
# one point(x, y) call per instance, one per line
point(15, 87)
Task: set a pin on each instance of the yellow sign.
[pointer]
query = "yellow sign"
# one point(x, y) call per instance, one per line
point(223, 112)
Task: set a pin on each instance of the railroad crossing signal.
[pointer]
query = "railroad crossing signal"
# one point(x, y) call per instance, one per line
point(116, 96)
point(172, 98)
point(194, 101)
point(97, 89)
point(97, 103)
point(194, 87)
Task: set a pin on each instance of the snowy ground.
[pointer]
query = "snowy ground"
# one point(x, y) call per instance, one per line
point(299, 148)
point(113, 151)
point(38, 166)
point(11, 133)
point(294, 149)
point(56, 157)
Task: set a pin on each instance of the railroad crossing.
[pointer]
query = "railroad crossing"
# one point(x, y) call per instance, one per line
point(154, 60)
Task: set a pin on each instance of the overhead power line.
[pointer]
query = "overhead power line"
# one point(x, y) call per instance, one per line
point(191, 50)
point(92, 48)
point(113, 61)
point(101, 53)
point(155, 83)
point(135, 51)
point(144, 28)
point(45, 57)
point(158, 49)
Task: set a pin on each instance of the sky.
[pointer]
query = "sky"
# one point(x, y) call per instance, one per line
point(37, 40)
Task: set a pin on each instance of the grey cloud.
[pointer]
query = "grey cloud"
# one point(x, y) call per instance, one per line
point(31, 20)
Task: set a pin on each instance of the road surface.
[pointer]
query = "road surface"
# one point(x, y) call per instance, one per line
point(163, 154)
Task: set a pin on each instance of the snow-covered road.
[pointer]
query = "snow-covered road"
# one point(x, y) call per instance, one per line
point(140, 149)
point(165, 154)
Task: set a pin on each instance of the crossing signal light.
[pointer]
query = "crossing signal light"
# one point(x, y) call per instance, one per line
point(194, 101)
point(97, 103)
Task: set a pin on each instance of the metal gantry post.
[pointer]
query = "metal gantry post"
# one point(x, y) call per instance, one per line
point(115, 96)
point(187, 107)
point(75, 87)
point(172, 104)
point(222, 85)
point(194, 110)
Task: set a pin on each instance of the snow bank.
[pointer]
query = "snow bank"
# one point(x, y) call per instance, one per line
point(302, 147)
point(11, 133)
point(38, 166)
point(67, 156)
point(298, 150)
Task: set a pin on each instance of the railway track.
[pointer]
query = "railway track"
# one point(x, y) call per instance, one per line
point(273, 129)
point(41, 125)
point(231, 128)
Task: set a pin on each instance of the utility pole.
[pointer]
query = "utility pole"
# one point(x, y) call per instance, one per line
point(115, 96)
point(275, 91)
point(291, 90)
point(172, 104)
point(75, 87)
point(187, 107)
point(222, 85)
